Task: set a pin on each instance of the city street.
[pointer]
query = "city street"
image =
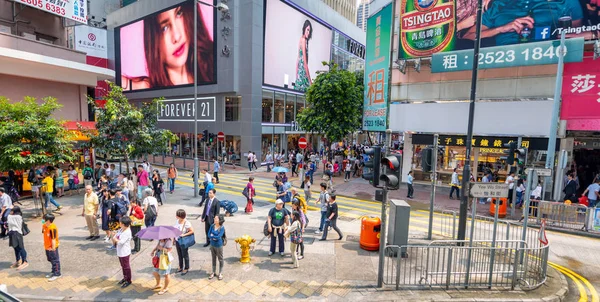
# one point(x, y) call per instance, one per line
point(329, 270)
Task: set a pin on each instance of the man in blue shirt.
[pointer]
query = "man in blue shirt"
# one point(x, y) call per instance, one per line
point(216, 170)
point(409, 183)
point(592, 192)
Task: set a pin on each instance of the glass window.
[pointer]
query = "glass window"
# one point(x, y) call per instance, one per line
point(289, 108)
point(299, 104)
point(267, 106)
point(233, 106)
point(279, 108)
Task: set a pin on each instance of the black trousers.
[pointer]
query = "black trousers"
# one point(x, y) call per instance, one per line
point(184, 257)
point(137, 242)
point(331, 223)
point(216, 175)
point(277, 234)
point(206, 228)
point(410, 190)
point(455, 188)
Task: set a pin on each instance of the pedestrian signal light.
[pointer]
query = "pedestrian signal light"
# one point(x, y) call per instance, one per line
point(373, 164)
point(391, 174)
point(521, 156)
point(510, 154)
point(204, 135)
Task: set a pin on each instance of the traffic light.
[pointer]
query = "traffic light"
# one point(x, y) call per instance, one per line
point(204, 135)
point(211, 137)
point(510, 156)
point(374, 163)
point(521, 156)
point(392, 171)
point(427, 159)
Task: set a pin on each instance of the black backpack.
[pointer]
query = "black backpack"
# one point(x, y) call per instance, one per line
point(31, 177)
point(87, 174)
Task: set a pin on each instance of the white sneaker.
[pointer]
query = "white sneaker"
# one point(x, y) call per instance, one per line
point(49, 275)
point(318, 232)
point(53, 278)
point(106, 239)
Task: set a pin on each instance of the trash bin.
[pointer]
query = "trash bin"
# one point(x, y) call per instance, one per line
point(501, 207)
point(370, 230)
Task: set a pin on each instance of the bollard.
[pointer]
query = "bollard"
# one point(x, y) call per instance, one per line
point(245, 242)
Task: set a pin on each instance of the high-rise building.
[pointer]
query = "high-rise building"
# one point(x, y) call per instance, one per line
point(346, 8)
point(362, 14)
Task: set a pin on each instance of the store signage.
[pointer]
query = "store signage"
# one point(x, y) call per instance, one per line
point(183, 110)
point(379, 38)
point(91, 40)
point(355, 48)
point(581, 90)
point(71, 9)
point(586, 144)
point(539, 53)
point(488, 190)
point(533, 143)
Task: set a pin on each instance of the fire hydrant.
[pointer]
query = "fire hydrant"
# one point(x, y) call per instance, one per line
point(245, 242)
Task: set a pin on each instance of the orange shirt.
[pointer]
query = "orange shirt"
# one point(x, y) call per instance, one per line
point(171, 172)
point(50, 233)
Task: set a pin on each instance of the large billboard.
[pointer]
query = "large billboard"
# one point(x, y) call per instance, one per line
point(157, 51)
point(377, 63)
point(433, 26)
point(295, 46)
point(580, 105)
point(75, 10)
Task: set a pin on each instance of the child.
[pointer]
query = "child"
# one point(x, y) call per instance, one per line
point(123, 242)
point(306, 187)
point(51, 244)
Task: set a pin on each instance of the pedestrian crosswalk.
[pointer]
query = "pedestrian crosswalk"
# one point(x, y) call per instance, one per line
point(349, 207)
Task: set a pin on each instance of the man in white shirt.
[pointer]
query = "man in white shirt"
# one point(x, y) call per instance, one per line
point(207, 177)
point(123, 242)
point(150, 206)
point(454, 185)
point(250, 157)
point(510, 180)
point(6, 204)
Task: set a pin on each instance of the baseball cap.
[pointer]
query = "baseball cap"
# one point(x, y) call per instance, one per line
point(278, 201)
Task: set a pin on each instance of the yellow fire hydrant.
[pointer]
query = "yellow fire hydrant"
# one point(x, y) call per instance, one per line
point(245, 242)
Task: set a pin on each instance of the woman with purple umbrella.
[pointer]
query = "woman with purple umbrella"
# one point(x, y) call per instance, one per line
point(164, 235)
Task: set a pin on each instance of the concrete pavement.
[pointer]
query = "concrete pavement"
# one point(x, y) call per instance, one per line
point(329, 271)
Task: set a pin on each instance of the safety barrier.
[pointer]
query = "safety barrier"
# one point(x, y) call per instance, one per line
point(501, 257)
point(561, 215)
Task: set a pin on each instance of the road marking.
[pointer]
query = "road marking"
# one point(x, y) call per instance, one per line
point(574, 276)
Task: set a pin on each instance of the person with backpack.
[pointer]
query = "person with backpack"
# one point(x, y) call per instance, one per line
point(331, 219)
point(295, 232)
point(150, 205)
point(296, 197)
point(88, 175)
point(120, 207)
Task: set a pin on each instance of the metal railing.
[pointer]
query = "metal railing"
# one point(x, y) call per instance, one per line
point(561, 215)
point(501, 257)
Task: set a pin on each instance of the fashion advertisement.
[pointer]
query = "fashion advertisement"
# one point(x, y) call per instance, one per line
point(158, 50)
point(433, 26)
point(295, 46)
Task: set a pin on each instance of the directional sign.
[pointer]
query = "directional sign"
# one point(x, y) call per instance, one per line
point(488, 190)
point(540, 171)
point(527, 54)
point(221, 136)
point(302, 143)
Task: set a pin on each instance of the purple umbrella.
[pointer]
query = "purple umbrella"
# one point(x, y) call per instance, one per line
point(159, 232)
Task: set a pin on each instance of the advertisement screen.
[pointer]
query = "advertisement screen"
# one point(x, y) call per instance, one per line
point(158, 51)
point(295, 46)
point(433, 26)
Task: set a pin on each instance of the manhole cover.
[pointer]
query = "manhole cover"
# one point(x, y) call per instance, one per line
point(186, 199)
point(309, 240)
point(352, 238)
point(194, 216)
point(345, 218)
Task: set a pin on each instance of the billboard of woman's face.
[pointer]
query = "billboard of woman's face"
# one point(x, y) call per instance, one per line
point(158, 51)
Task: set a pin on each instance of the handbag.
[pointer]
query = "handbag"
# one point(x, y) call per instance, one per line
point(155, 261)
point(164, 261)
point(25, 229)
point(76, 179)
point(296, 236)
point(266, 229)
point(186, 241)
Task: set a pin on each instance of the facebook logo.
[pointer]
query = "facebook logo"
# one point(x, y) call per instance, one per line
point(542, 32)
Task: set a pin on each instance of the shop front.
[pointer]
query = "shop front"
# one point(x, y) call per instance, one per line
point(486, 156)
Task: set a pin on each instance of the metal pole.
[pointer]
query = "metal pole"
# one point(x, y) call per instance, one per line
point(195, 99)
point(433, 185)
point(464, 201)
point(555, 112)
point(526, 208)
point(471, 236)
point(514, 193)
point(493, 253)
point(384, 220)
point(560, 171)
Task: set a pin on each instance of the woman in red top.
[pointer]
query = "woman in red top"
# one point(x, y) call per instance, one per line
point(136, 213)
point(250, 196)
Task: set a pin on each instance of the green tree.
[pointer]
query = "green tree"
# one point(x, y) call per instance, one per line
point(127, 130)
point(334, 102)
point(30, 136)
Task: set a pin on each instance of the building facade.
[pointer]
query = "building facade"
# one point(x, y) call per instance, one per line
point(362, 14)
point(255, 68)
point(346, 8)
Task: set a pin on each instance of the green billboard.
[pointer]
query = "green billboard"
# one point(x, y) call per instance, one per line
point(377, 63)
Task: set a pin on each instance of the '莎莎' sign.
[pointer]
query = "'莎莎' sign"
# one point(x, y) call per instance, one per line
point(75, 10)
point(184, 110)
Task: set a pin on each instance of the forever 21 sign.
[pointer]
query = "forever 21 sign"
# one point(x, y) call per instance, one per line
point(182, 110)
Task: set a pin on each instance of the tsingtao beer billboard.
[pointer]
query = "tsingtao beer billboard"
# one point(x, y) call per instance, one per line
point(433, 26)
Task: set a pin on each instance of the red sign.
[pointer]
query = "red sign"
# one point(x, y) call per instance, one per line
point(581, 94)
point(302, 143)
point(221, 136)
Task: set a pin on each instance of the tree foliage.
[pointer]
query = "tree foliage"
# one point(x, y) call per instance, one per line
point(30, 136)
point(334, 102)
point(126, 130)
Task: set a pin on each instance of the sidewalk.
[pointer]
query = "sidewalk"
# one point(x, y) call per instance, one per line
point(329, 271)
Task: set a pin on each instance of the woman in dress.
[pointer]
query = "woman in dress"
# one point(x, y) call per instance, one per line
point(215, 235)
point(157, 186)
point(169, 50)
point(182, 252)
point(15, 235)
point(163, 246)
point(59, 182)
point(303, 79)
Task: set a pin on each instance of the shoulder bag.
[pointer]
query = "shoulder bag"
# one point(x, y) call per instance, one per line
point(25, 229)
point(186, 241)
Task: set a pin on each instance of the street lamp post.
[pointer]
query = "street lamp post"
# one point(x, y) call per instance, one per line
point(223, 8)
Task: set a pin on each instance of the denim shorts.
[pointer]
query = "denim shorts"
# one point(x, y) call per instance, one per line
point(163, 272)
